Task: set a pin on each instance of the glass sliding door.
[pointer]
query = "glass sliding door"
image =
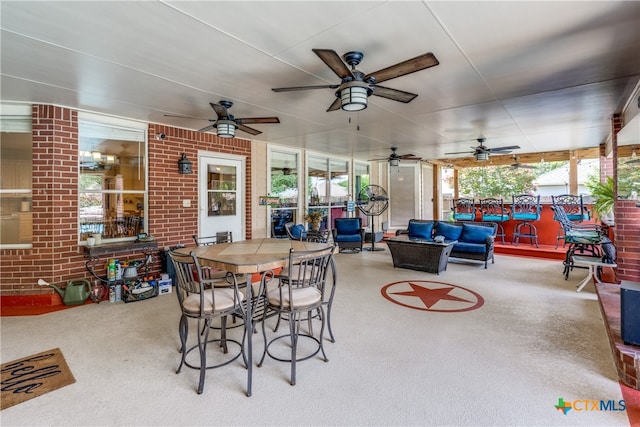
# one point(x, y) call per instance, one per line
point(318, 184)
point(284, 176)
point(362, 180)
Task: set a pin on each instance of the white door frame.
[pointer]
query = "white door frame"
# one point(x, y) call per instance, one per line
point(204, 158)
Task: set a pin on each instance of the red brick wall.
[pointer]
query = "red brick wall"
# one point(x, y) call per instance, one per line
point(627, 240)
point(56, 256)
point(169, 222)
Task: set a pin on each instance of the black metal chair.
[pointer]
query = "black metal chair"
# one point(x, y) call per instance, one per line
point(493, 210)
point(575, 210)
point(295, 231)
point(526, 209)
point(220, 237)
point(581, 238)
point(464, 209)
point(298, 294)
point(201, 300)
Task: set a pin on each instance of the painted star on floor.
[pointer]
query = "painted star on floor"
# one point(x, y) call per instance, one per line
point(432, 296)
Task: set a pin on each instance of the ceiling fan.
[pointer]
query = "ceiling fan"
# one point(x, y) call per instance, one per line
point(356, 86)
point(518, 165)
point(394, 158)
point(481, 152)
point(286, 170)
point(226, 124)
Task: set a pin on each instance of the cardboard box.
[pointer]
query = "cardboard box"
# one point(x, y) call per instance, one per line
point(165, 287)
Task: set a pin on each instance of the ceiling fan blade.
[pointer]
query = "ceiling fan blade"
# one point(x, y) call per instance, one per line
point(184, 117)
point(251, 120)
point(406, 67)
point(409, 157)
point(393, 94)
point(220, 110)
point(337, 104)
point(206, 128)
point(503, 149)
point(461, 152)
point(292, 88)
point(247, 129)
point(379, 160)
point(333, 61)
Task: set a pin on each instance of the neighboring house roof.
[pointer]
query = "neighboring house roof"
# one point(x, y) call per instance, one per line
point(560, 176)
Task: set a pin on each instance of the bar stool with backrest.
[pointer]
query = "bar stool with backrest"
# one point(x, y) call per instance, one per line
point(464, 209)
point(581, 238)
point(575, 210)
point(201, 300)
point(526, 210)
point(493, 210)
point(212, 273)
point(297, 294)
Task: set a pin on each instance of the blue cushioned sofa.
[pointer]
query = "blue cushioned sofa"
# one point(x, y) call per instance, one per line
point(474, 239)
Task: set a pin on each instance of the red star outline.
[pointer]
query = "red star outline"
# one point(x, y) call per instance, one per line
point(430, 297)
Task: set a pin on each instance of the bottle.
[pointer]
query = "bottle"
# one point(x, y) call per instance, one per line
point(112, 293)
point(111, 270)
point(118, 270)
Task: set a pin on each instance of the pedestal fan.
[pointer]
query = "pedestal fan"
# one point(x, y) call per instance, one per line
point(373, 201)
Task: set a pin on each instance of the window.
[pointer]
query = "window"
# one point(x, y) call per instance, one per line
point(284, 185)
point(113, 180)
point(629, 172)
point(221, 190)
point(16, 148)
point(328, 187)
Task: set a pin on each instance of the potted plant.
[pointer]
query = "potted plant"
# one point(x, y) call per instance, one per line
point(314, 218)
point(604, 198)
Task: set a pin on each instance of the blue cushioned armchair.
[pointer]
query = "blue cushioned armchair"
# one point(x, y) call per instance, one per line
point(348, 234)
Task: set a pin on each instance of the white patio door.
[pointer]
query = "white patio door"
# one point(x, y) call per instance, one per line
point(221, 195)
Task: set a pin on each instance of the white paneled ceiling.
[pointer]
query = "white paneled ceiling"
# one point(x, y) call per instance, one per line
point(545, 76)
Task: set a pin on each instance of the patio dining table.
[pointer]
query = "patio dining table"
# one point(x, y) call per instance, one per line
point(250, 257)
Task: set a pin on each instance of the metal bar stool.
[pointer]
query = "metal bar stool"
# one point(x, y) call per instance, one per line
point(493, 210)
point(526, 209)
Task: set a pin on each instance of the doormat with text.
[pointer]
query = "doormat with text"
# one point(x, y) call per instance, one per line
point(33, 376)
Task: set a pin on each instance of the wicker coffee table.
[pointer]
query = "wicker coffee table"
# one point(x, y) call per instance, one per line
point(416, 254)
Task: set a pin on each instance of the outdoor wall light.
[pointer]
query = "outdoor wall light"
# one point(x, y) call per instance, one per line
point(184, 165)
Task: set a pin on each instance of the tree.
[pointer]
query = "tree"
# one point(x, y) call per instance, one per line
point(495, 181)
point(280, 183)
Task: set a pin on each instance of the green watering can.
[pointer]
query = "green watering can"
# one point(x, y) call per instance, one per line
point(76, 292)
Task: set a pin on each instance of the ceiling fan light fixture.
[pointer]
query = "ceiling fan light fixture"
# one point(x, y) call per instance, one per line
point(482, 156)
point(394, 162)
point(353, 96)
point(226, 129)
